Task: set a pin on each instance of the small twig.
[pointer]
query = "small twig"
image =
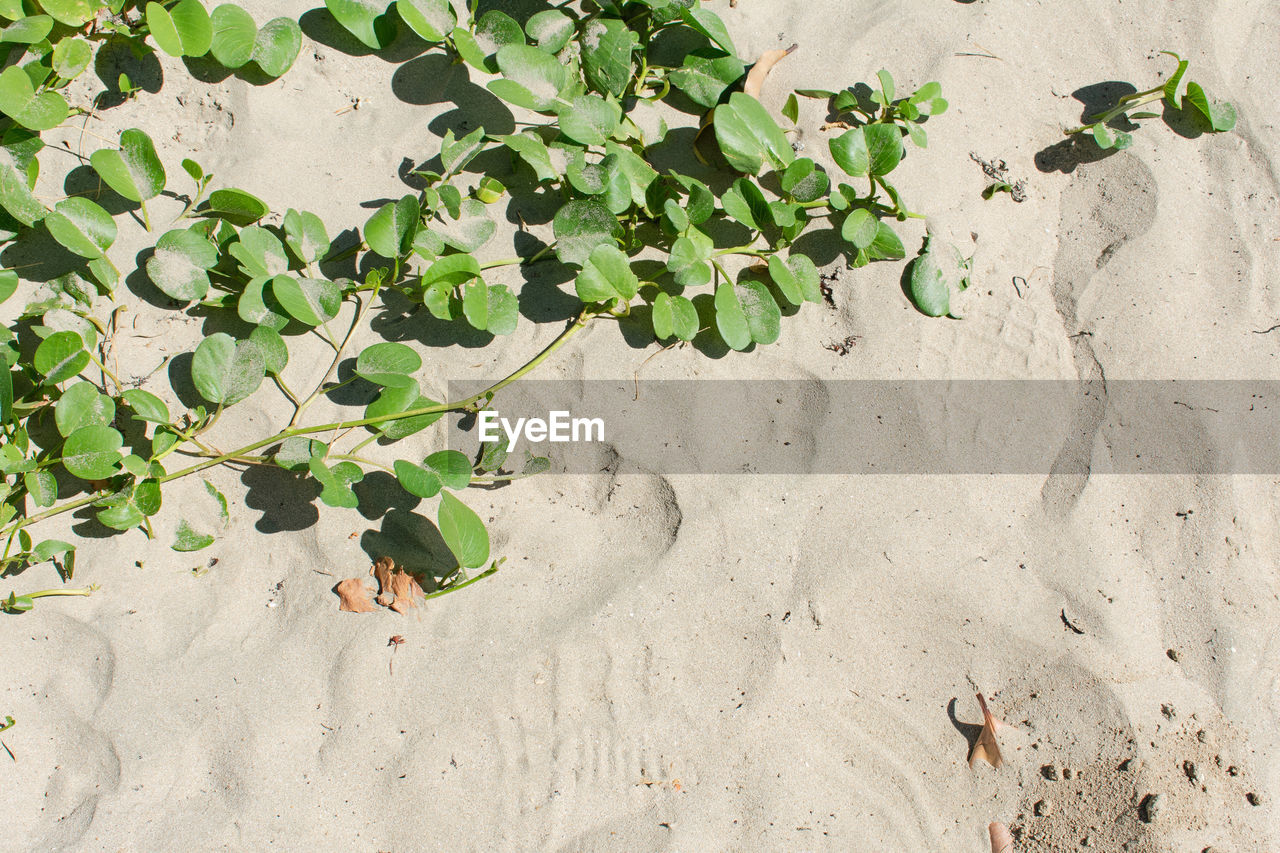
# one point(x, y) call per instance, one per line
point(1266, 331)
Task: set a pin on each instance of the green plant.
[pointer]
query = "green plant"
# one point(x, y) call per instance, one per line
point(1209, 114)
point(587, 92)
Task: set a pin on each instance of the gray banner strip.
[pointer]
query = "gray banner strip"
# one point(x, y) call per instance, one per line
point(890, 427)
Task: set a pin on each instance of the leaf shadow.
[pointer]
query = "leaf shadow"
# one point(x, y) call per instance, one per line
point(285, 499)
point(969, 731)
point(402, 43)
point(119, 55)
point(413, 542)
point(434, 79)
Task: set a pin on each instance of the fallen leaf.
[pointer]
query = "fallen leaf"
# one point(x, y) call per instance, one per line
point(406, 589)
point(381, 571)
point(1001, 840)
point(353, 596)
point(759, 71)
point(986, 747)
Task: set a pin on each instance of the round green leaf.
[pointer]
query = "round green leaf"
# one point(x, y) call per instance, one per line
point(463, 531)
point(226, 371)
point(73, 13)
point(179, 266)
point(391, 229)
point(884, 147)
point(490, 308)
point(430, 19)
point(580, 226)
point(19, 100)
point(183, 30)
point(60, 356)
point(306, 235)
point(260, 252)
point(364, 20)
point(92, 452)
point(887, 245)
point(849, 150)
point(471, 229)
point(234, 35)
point(275, 354)
point(606, 275)
point(590, 119)
point(453, 468)
point(403, 398)
point(258, 305)
point(81, 226)
point(804, 182)
point(42, 485)
point(764, 318)
point(310, 301)
point(28, 30)
point(674, 315)
point(450, 271)
point(417, 480)
point(1220, 114)
point(706, 73)
point(532, 78)
point(15, 191)
point(551, 29)
point(188, 538)
point(134, 171)
point(237, 206)
point(82, 405)
point(730, 320)
point(606, 45)
point(389, 364)
point(146, 405)
point(860, 228)
point(277, 45)
point(71, 56)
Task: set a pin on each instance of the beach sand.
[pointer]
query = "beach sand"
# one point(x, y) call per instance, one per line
point(733, 662)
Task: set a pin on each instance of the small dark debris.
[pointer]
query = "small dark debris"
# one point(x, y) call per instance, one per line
point(1149, 808)
point(843, 348)
point(824, 285)
point(1172, 654)
point(1255, 799)
point(998, 171)
point(1071, 625)
point(1050, 772)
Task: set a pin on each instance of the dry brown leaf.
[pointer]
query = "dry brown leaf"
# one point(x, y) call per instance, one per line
point(381, 570)
point(353, 596)
point(759, 71)
point(986, 747)
point(406, 589)
point(1001, 839)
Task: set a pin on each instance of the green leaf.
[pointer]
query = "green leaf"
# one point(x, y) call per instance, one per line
point(463, 531)
point(121, 513)
point(1171, 86)
point(15, 193)
point(237, 206)
point(935, 273)
point(605, 275)
point(860, 228)
point(183, 30)
point(8, 285)
point(532, 78)
point(689, 258)
point(746, 314)
point(748, 136)
point(886, 86)
point(674, 315)
point(551, 29)
point(471, 229)
point(179, 266)
point(234, 35)
point(259, 306)
point(455, 154)
point(134, 171)
point(606, 45)
point(295, 452)
point(710, 25)
point(82, 405)
point(701, 203)
point(50, 548)
point(221, 500)
point(745, 202)
point(60, 356)
point(849, 150)
point(590, 119)
point(81, 226)
point(92, 452)
point(310, 301)
point(450, 271)
point(275, 354)
point(403, 398)
point(887, 245)
point(306, 236)
point(73, 13)
point(389, 364)
point(490, 307)
point(675, 217)
point(226, 371)
point(391, 229)
point(187, 538)
point(884, 147)
point(580, 226)
point(29, 30)
point(1220, 114)
point(364, 19)
point(19, 100)
point(43, 488)
point(533, 151)
point(444, 469)
point(804, 182)
point(146, 406)
point(791, 109)
point(259, 252)
point(71, 56)
point(432, 20)
point(6, 392)
point(706, 74)
point(277, 46)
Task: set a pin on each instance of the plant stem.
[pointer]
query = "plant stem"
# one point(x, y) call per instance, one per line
point(337, 357)
point(468, 582)
point(146, 218)
point(1128, 102)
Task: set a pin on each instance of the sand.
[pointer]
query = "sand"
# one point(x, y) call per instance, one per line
point(695, 663)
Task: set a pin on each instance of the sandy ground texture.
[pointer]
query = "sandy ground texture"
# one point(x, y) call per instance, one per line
point(694, 663)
